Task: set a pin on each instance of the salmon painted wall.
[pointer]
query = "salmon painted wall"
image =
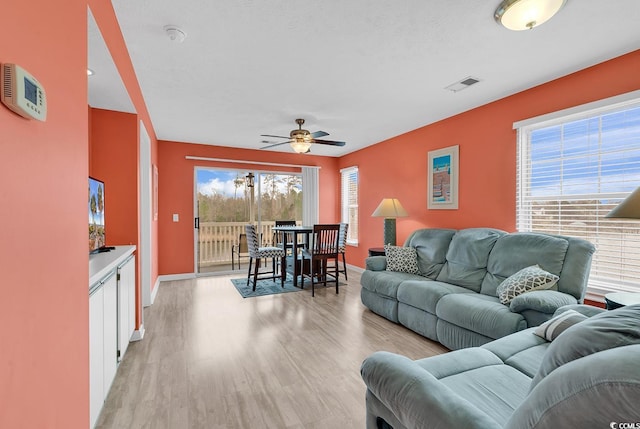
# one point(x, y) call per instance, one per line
point(109, 28)
point(44, 314)
point(114, 160)
point(176, 182)
point(398, 167)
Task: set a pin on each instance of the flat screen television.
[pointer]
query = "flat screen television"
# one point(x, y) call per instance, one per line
point(96, 215)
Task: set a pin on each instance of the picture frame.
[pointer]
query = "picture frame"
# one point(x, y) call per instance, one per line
point(442, 178)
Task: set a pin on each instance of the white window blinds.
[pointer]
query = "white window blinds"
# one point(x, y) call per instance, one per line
point(571, 173)
point(349, 180)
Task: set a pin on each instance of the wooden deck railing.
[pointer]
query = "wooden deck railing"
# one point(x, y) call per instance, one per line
point(217, 238)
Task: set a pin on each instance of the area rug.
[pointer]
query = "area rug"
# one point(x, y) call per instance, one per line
point(264, 287)
point(270, 287)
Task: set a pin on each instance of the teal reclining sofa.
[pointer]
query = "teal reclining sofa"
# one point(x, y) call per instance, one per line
point(453, 297)
point(584, 375)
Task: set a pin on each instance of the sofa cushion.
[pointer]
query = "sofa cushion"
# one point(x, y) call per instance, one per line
point(386, 282)
point(431, 246)
point(592, 392)
point(401, 259)
point(479, 313)
point(526, 280)
point(604, 331)
point(425, 294)
point(550, 329)
point(519, 250)
point(467, 257)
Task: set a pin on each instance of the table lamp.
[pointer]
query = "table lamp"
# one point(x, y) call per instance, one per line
point(390, 209)
point(629, 208)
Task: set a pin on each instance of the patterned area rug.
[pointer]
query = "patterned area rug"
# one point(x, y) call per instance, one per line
point(264, 287)
point(269, 287)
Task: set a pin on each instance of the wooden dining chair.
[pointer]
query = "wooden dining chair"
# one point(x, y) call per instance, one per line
point(257, 253)
point(323, 248)
point(276, 236)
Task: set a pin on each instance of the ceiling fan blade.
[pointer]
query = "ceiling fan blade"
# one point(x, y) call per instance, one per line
point(319, 134)
point(274, 145)
point(329, 142)
point(278, 137)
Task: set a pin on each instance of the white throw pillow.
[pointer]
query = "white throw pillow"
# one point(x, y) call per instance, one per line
point(401, 259)
point(525, 280)
point(555, 326)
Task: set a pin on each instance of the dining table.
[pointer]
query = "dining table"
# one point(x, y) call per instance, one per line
point(299, 236)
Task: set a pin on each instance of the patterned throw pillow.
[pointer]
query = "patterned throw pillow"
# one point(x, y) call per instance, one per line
point(553, 327)
point(525, 280)
point(401, 259)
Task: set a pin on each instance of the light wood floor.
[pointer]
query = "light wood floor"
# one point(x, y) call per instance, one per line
point(211, 359)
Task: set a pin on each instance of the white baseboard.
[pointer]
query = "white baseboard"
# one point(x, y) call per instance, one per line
point(138, 334)
point(154, 292)
point(354, 268)
point(171, 277)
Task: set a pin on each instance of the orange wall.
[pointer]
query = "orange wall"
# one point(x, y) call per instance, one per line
point(114, 160)
point(176, 182)
point(44, 293)
point(398, 167)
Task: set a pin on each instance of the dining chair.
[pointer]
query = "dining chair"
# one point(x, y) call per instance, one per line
point(258, 253)
point(323, 247)
point(342, 247)
point(276, 236)
point(241, 248)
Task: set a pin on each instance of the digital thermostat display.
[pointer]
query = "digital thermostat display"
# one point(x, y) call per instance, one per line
point(22, 93)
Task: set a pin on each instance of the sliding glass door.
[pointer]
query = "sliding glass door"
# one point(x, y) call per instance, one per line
point(226, 200)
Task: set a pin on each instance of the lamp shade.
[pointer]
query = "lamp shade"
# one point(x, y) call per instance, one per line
point(390, 208)
point(627, 209)
point(525, 14)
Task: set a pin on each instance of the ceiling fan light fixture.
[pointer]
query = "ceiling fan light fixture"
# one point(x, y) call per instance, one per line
point(520, 15)
point(300, 145)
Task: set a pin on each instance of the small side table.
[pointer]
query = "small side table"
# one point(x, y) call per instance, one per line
point(621, 299)
point(376, 251)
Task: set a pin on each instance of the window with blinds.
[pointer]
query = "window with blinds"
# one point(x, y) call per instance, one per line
point(349, 180)
point(571, 173)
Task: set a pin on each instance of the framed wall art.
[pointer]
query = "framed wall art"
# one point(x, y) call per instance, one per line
point(442, 179)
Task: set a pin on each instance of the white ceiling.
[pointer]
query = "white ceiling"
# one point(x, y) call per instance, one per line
point(361, 70)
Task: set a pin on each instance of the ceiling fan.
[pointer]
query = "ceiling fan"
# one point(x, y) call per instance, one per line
point(301, 140)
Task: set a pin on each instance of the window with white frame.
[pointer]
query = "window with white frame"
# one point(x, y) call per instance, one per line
point(573, 168)
point(349, 206)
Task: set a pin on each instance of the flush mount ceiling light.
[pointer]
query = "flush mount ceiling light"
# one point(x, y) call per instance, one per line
point(89, 72)
point(525, 14)
point(175, 33)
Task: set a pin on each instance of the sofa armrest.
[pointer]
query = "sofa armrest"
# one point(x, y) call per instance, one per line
point(416, 397)
point(587, 310)
point(376, 263)
point(543, 301)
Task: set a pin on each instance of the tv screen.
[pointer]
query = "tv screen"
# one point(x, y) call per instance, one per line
point(96, 215)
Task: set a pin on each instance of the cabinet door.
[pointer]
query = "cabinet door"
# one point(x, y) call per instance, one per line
point(110, 331)
point(96, 355)
point(126, 304)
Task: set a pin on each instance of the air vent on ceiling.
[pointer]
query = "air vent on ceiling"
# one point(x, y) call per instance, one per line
point(464, 83)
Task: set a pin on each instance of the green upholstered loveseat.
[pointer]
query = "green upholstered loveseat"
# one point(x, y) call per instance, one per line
point(453, 298)
point(588, 376)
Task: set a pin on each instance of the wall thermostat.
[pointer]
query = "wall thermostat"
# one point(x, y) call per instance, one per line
point(22, 93)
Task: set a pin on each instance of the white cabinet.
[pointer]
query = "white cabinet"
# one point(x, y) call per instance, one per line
point(110, 352)
point(112, 310)
point(96, 354)
point(126, 303)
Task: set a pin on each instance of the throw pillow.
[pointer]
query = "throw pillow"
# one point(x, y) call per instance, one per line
point(401, 259)
point(525, 280)
point(616, 328)
point(553, 327)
